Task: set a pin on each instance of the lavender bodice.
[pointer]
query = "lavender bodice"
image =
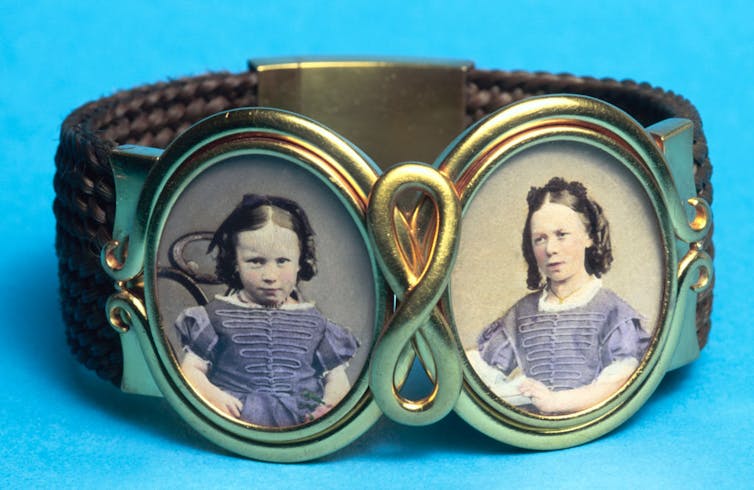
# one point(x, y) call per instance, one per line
point(271, 359)
point(564, 349)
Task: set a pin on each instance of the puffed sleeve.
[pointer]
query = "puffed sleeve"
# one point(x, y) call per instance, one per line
point(195, 331)
point(495, 344)
point(625, 338)
point(338, 346)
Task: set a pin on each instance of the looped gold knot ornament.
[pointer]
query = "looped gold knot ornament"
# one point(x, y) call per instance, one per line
point(415, 255)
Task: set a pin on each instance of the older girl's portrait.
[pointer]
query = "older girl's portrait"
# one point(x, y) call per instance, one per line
point(283, 324)
point(570, 304)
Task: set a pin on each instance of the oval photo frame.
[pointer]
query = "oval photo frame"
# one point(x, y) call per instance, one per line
point(254, 368)
point(507, 331)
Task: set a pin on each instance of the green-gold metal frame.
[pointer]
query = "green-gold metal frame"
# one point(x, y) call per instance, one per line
point(659, 158)
point(148, 183)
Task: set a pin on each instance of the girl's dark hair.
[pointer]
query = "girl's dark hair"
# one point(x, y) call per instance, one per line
point(599, 256)
point(253, 213)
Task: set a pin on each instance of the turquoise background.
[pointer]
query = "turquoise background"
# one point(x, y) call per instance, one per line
point(63, 427)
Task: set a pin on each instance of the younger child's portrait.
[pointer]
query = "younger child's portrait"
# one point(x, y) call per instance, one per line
point(262, 353)
point(267, 298)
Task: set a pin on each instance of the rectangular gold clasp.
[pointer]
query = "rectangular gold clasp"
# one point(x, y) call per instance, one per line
point(394, 110)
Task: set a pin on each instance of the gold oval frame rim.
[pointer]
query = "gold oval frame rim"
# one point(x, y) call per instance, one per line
point(488, 146)
point(346, 173)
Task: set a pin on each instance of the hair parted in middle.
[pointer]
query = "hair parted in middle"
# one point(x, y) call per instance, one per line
point(252, 213)
point(598, 256)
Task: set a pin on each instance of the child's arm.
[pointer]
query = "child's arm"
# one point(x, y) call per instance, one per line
point(608, 382)
point(336, 386)
point(195, 370)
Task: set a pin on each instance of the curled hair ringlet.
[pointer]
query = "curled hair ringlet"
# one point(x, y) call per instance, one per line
point(598, 257)
point(250, 215)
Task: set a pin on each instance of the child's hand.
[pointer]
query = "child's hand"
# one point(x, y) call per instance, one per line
point(581, 398)
point(195, 369)
point(320, 411)
point(541, 396)
point(225, 402)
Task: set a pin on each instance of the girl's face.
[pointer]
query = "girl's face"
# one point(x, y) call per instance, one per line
point(268, 263)
point(559, 240)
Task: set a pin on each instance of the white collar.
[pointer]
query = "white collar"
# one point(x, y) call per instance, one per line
point(579, 298)
point(235, 300)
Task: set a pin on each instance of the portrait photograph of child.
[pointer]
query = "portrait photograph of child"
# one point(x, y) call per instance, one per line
point(572, 285)
point(273, 346)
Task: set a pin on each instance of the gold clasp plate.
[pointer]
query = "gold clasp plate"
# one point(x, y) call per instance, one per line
point(395, 110)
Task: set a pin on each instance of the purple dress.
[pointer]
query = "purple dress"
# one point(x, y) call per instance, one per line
point(564, 349)
point(272, 359)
